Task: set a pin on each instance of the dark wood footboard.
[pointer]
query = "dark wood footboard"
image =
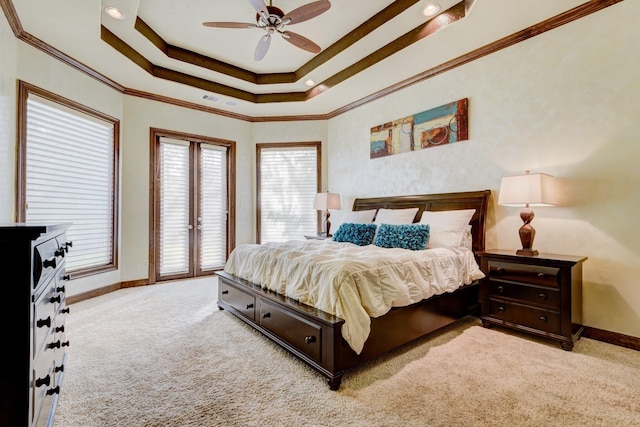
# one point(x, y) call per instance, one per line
point(315, 336)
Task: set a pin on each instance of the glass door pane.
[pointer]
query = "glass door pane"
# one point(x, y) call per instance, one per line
point(212, 218)
point(175, 226)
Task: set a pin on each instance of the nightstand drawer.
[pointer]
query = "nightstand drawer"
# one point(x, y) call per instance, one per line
point(532, 317)
point(529, 274)
point(529, 294)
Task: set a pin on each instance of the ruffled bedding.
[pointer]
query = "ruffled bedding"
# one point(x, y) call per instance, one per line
point(353, 282)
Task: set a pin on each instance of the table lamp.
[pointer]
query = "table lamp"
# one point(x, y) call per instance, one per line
point(324, 202)
point(530, 189)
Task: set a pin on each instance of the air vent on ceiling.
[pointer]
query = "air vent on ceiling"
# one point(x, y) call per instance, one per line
point(210, 98)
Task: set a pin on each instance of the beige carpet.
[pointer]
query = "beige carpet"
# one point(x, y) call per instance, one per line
point(164, 355)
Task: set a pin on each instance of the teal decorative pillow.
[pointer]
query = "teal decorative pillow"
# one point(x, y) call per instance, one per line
point(359, 234)
point(405, 236)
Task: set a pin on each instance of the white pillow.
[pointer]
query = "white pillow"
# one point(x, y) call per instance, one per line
point(356, 217)
point(447, 228)
point(396, 216)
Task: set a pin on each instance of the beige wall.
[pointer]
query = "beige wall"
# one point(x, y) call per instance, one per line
point(564, 103)
point(9, 60)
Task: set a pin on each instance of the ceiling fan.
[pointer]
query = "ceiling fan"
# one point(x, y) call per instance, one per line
point(273, 20)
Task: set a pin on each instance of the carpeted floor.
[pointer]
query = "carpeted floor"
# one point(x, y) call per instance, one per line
point(164, 355)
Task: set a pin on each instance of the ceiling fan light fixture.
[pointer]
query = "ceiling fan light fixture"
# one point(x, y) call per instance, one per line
point(115, 13)
point(431, 9)
point(309, 83)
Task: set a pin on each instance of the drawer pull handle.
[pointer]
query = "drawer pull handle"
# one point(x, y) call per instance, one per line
point(59, 368)
point(249, 306)
point(501, 309)
point(59, 252)
point(500, 270)
point(541, 275)
point(543, 318)
point(500, 289)
point(46, 322)
point(60, 329)
point(66, 277)
point(60, 289)
point(65, 310)
point(310, 340)
point(542, 296)
point(55, 390)
point(49, 263)
point(43, 381)
point(55, 299)
point(54, 344)
point(65, 344)
point(225, 292)
point(266, 315)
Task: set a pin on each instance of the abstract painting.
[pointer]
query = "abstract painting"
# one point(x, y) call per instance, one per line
point(442, 125)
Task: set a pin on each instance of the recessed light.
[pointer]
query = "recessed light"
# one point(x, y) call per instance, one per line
point(309, 83)
point(114, 12)
point(431, 9)
point(231, 103)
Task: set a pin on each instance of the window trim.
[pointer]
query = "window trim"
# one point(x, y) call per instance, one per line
point(267, 145)
point(24, 90)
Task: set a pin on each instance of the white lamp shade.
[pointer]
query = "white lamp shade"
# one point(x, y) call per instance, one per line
point(533, 189)
point(325, 201)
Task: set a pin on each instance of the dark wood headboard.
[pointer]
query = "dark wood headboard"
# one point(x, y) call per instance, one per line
point(478, 200)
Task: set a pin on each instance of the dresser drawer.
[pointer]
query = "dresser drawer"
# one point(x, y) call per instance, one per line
point(548, 297)
point(304, 335)
point(241, 301)
point(532, 317)
point(530, 274)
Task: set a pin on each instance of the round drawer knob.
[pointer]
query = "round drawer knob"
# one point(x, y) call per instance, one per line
point(501, 309)
point(542, 295)
point(543, 318)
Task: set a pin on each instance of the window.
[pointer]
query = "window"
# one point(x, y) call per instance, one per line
point(67, 163)
point(288, 177)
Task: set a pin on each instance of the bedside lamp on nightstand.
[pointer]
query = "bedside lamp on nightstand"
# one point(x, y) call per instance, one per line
point(530, 189)
point(324, 202)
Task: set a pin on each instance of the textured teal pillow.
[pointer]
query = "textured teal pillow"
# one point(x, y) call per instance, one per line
point(405, 236)
point(359, 234)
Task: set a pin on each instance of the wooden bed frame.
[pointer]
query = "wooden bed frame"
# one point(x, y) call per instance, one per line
point(315, 336)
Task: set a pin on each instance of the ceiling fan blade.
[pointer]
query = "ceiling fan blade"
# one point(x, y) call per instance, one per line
point(260, 7)
point(307, 11)
point(262, 47)
point(229, 24)
point(301, 42)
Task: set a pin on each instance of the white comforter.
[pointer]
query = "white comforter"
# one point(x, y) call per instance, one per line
point(353, 282)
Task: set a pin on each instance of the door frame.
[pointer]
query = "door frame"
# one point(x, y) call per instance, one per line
point(154, 137)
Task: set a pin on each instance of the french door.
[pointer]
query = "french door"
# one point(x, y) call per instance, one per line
point(193, 205)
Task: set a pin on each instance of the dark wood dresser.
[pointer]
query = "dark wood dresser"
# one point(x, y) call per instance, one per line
point(34, 349)
point(541, 294)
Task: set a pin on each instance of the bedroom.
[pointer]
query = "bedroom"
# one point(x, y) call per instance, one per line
point(564, 103)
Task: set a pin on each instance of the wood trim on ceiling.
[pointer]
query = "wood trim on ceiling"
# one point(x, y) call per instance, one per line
point(449, 16)
point(569, 16)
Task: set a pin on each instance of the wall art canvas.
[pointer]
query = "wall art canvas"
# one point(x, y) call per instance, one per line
point(438, 126)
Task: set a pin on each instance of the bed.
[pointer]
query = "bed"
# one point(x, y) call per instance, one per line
point(329, 338)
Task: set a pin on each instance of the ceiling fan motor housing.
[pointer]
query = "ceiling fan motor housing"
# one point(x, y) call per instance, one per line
point(273, 20)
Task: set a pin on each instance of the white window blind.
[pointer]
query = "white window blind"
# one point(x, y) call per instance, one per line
point(213, 206)
point(174, 206)
point(288, 185)
point(69, 178)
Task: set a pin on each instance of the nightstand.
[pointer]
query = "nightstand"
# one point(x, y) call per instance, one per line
point(316, 237)
point(541, 295)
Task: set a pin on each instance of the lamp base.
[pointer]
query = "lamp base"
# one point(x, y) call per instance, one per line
point(527, 252)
